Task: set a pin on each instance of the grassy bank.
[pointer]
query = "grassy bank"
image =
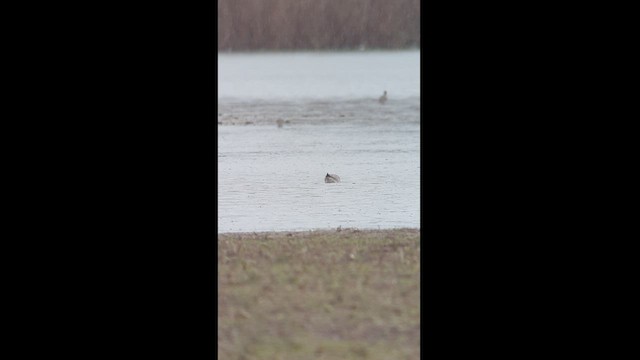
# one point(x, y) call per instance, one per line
point(319, 295)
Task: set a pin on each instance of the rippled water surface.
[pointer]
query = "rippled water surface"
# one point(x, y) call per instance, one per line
point(271, 178)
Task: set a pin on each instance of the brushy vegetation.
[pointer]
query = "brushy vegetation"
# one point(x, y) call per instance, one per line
point(317, 24)
point(345, 294)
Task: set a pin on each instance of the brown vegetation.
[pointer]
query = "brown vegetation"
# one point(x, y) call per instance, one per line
point(317, 24)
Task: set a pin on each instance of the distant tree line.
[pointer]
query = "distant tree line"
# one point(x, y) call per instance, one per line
point(317, 24)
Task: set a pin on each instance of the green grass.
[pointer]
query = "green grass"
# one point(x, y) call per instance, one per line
point(319, 295)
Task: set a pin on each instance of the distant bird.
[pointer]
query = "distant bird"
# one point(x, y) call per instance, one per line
point(383, 98)
point(280, 122)
point(331, 178)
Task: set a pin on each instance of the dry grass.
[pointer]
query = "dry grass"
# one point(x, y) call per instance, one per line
point(319, 295)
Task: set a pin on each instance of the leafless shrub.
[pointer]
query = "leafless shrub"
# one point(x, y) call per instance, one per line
point(317, 24)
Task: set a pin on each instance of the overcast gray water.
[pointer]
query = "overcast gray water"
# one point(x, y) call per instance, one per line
point(271, 178)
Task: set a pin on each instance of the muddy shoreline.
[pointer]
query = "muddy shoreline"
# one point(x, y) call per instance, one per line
point(333, 294)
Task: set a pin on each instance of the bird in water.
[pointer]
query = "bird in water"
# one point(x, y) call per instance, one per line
point(331, 178)
point(383, 98)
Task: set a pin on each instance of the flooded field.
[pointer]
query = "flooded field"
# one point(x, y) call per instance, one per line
point(284, 122)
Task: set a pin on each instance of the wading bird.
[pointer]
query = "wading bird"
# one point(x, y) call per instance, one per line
point(383, 98)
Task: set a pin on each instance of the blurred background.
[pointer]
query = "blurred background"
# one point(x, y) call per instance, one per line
point(318, 24)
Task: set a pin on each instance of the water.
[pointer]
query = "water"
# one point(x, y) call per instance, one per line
point(272, 179)
point(322, 75)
